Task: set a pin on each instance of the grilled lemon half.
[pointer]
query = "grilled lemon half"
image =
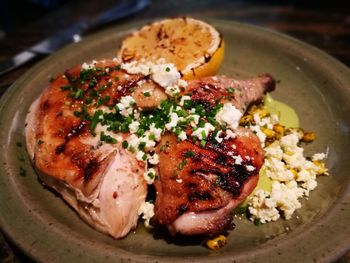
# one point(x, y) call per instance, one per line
point(195, 47)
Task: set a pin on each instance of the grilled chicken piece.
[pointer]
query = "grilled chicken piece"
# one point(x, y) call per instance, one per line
point(198, 187)
point(103, 182)
point(241, 93)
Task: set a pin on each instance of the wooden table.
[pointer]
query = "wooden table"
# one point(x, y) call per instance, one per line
point(324, 26)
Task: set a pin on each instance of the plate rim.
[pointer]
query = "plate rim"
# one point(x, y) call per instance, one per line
point(15, 87)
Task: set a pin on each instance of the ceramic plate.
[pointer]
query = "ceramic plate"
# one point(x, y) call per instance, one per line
point(315, 84)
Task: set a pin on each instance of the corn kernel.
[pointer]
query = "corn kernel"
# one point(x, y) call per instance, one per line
point(279, 129)
point(263, 112)
point(246, 120)
point(295, 173)
point(270, 134)
point(321, 167)
point(308, 137)
point(252, 109)
point(298, 131)
point(217, 242)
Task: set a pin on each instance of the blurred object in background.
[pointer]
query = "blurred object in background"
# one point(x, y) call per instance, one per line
point(14, 13)
point(334, 5)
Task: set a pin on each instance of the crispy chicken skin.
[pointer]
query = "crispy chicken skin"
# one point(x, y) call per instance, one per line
point(241, 93)
point(103, 182)
point(197, 192)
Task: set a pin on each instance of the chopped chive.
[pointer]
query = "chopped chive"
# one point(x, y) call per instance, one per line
point(79, 94)
point(189, 154)
point(257, 222)
point(22, 171)
point(204, 135)
point(144, 157)
point(107, 138)
point(147, 94)
point(92, 83)
point(142, 146)
point(95, 120)
point(182, 164)
point(242, 210)
point(151, 175)
point(201, 124)
point(230, 90)
point(88, 100)
point(20, 158)
point(66, 87)
point(125, 144)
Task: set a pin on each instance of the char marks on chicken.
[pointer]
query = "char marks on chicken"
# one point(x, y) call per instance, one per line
point(102, 181)
point(199, 185)
point(75, 133)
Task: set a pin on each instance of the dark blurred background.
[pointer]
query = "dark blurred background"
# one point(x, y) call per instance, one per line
point(16, 13)
point(324, 24)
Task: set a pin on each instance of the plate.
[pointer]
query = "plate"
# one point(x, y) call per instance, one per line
point(315, 84)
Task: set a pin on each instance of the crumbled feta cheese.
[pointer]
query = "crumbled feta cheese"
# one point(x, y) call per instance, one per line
point(262, 137)
point(182, 136)
point(157, 132)
point(153, 159)
point(292, 175)
point(202, 133)
point(318, 156)
point(174, 118)
point(194, 119)
point(134, 126)
point(165, 74)
point(274, 150)
point(133, 142)
point(147, 211)
point(182, 83)
point(218, 138)
point(183, 98)
point(87, 66)
point(230, 134)
point(150, 175)
point(135, 67)
point(149, 143)
point(229, 115)
point(262, 207)
point(125, 105)
point(266, 122)
point(250, 168)
point(140, 156)
point(172, 90)
point(238, 159)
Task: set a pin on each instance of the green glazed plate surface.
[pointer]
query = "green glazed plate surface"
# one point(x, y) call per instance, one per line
point(312, 82)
